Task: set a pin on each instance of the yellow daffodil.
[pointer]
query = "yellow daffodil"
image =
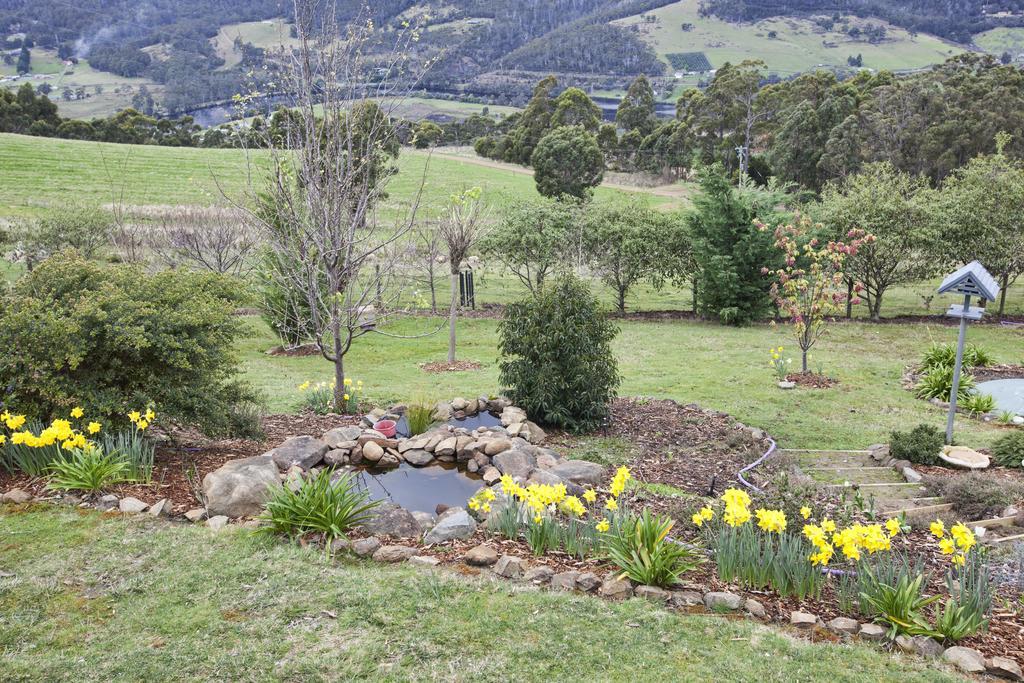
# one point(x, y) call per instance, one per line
point(610, 504)
point(590, 495)
point(485, 508)
point(94, 427)
point(14, 421)
point(345, 396)
point(937, 528)
point(947, 546)
point(805, 512)
point(736, 497)
point(3, 439)
point(348, 382)
point(603, 526)
point(828, 525)
point(150, 415)
point(134, 416)
point(77, 413)
point(707, 514)
point(958, 560)
point(304, 385)
point(772, 521)
point(893, 526)
point(697, 519)
point(142, 424)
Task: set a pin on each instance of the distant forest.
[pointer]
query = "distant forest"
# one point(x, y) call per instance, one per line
point(954, 20)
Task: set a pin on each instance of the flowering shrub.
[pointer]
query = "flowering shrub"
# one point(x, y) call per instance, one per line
point(319, 398)
point(808, 289)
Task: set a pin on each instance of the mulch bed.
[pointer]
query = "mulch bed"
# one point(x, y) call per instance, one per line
point(812, 380)
point(998, 372)
point(438, 367)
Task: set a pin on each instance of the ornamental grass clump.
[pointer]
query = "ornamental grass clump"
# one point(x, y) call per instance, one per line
point(641, 548)
point(87, 469)
point(944, 355)
point(319, 506)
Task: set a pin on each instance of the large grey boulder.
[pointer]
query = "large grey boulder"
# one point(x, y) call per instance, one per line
point(240, 488)
point(452, 524)
point(304, 451)
point(392, 520)
point(337, 437)
point(515, 463)
point(579, 472)
point(418, 457)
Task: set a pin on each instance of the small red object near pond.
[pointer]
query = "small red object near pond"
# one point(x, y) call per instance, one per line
point(386, 427)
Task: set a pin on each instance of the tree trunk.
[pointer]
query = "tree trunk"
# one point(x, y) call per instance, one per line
point(876, 308)
point(1002, 294)
point(433, 294)
point(453, 312)
point(622, 299)
point(849, 298)
point(339, 369)
point(803, 353)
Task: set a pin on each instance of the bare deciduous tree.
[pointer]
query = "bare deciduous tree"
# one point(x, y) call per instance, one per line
point(329, 163)
point(427, 251)
point(463, 224)
point(214, 239)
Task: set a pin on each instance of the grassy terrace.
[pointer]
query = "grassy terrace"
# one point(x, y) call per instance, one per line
point(95, 598)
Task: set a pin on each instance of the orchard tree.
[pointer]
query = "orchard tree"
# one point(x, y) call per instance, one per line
point(893, 207)
point(625, 243)
point(533, 239)
point(463, 224)
point(567, 161)
point(981, 216)
point(809, 288)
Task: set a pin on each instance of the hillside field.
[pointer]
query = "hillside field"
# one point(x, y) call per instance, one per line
point(799, 45)
point(999, 40)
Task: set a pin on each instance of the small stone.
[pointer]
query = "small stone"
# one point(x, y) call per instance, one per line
point(544, 478)
point(911, 475)
point(340, 544)
point(922, 645)
point(372, 451)
point(338, 456)
point(195, 515)
point(418, 457)
point(686, 599)
point(756, 609)
point(424, 560)
point(615, 589)
point(455, 523)
point(424, 519)
point(512, 415)
point(787, 385)
point(495, 446)
point(304, 451)
point(491, 476)
point(161, 508)
point(482, 555)
point(966, 659)
point(539, 575)
point(393, 553)
point(565, 581)
point(509, 566)
point(459, 403)
point(588, 582)
point(365, 547)
point(515, 463)
point(718, 601)
point(532, 433)
point(871, 632)
point(294, 478)
point(107, 502)
point(392, 520)
point(389, 459)
point(844, 625)
point(447, 447)
point(340, 437)
point(17, 496)
point(546, 459)
point(652, 593)
point(1004, 667)
point(802, 619)
point(132, 505)
point(217, 522)
point(1017, 420)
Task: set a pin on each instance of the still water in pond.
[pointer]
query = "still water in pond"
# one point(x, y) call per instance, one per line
point(1008, 394)
point(420, 488)
point(481, 419)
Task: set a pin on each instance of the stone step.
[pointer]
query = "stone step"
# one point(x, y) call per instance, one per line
point(863, 476)
point(1006, 539)
point(832, 458)
point(921, 512)
point(887, 491)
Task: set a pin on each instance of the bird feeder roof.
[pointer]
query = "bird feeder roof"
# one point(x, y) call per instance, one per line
point(971, 280)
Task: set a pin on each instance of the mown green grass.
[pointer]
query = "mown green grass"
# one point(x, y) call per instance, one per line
point(41, 173)
point(1002, 39)
point(718, 367)
point(97, 598)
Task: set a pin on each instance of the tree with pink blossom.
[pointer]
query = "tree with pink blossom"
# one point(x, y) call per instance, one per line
point(810, 287)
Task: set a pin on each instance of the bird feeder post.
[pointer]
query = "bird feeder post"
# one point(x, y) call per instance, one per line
point(971, 280)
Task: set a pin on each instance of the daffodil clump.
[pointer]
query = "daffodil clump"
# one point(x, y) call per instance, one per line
point(538, 510)
point(957, 544)
point(779, 364)
point(318, 397)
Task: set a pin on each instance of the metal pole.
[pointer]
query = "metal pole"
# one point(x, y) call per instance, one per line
point(956, 370)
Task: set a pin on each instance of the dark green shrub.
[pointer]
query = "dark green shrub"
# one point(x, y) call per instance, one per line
point(113, 338)
point(557, 361)
point(976, 495)
point(1008, 450)
point(920, 445)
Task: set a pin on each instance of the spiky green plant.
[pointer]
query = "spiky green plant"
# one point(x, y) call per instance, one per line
point(87, 469)
point(641, 548)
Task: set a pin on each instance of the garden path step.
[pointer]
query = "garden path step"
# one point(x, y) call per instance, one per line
point(862, 476)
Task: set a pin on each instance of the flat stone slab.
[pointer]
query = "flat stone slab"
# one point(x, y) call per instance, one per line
point(964, 458)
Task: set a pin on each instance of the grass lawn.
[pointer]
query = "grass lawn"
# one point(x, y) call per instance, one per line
point(110, 598)
point(44, 172)
point(717, 367)
point(799, 45)
point(1002, 39)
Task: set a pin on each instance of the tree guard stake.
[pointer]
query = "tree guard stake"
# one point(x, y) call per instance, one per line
point(971, 280)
